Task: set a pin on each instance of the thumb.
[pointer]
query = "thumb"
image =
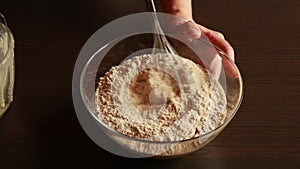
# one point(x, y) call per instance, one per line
point(191, 30)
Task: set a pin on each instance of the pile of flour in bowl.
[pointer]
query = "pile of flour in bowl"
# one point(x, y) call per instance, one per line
point(160, 97)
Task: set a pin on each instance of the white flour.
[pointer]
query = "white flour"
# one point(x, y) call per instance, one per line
point(160, 97)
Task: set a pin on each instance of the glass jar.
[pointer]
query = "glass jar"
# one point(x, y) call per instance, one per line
point(7, 66)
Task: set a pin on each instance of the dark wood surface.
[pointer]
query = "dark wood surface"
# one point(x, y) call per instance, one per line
point(40, 130)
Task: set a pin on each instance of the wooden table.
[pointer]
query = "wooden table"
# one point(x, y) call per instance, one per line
point(40, 130)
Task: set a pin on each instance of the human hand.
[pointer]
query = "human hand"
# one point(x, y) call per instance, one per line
point(214, 60)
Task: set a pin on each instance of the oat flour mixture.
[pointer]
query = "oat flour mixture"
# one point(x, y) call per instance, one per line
point(160, 97)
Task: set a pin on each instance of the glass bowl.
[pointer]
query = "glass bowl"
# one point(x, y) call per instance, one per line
point(112, 54)
point(7, 66)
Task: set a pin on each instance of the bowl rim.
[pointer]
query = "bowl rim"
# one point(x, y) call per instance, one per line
point(223, 125)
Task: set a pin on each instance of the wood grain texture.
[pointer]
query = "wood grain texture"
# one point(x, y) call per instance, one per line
point(40, 129)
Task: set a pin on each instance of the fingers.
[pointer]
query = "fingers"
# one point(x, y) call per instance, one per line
point(229, 68)
point(188, 29)
point(219, 40)
point(193, 31)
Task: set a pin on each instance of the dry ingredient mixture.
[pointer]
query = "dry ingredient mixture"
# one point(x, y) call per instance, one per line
point(160, 97)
